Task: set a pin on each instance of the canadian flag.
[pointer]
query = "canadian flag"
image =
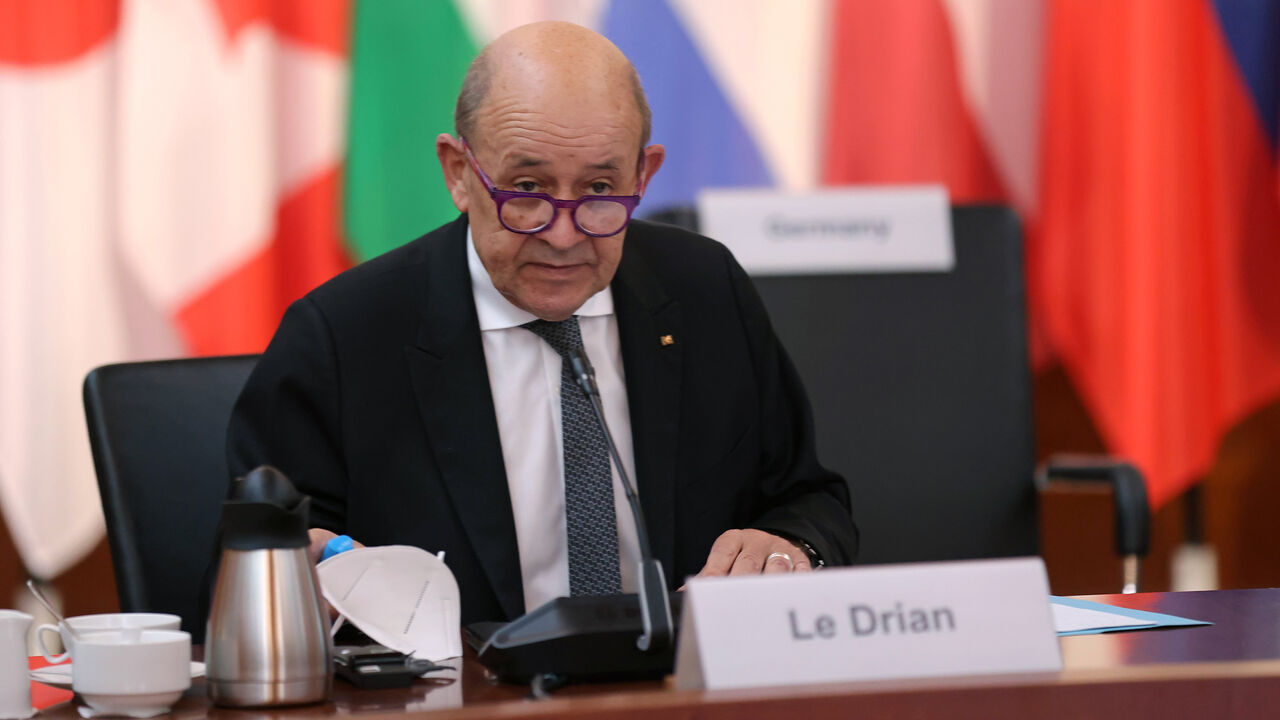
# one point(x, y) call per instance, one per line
point(168, 184)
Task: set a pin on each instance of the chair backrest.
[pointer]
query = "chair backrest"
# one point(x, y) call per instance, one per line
point(158, 432)
point(921, 389)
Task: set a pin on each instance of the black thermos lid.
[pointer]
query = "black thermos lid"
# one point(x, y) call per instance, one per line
point(265, 511)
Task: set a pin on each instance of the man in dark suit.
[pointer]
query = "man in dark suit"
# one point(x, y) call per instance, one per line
point(419, 398)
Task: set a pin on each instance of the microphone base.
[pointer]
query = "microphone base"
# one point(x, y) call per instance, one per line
point(577, 639)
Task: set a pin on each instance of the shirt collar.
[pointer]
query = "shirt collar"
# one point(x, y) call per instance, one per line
point(495, 311)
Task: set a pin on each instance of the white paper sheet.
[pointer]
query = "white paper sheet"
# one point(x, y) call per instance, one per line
point(1073, 619)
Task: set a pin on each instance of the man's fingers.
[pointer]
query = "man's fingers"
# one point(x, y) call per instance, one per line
point(754, 558)
point(723, 554)
point(750, 552)
point(318, 538)
point(748, 563)
point(777, 563)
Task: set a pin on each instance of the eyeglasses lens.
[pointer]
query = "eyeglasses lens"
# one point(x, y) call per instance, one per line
point(526, 213)
point(601, 217)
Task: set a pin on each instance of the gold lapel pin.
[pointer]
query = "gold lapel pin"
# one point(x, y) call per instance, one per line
point(667, 340)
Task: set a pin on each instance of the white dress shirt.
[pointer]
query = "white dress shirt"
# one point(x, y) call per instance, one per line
point(524, 378)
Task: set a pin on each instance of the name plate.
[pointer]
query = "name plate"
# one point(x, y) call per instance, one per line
point(870, 623)
point(834, 230)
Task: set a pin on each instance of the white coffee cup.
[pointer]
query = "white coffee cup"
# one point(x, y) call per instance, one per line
point(134, 672)
point(15, 688)
point(97, 623)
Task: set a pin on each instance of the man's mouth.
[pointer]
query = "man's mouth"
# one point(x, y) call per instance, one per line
point(556, 269)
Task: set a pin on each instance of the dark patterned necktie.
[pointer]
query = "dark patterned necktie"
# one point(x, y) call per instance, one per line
point(588, 484)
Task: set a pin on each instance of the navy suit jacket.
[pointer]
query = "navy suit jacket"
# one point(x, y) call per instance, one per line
point(373, 397)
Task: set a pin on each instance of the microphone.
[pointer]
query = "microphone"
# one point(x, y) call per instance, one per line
point(589, 637)
point(586, 377)
point(650, 580)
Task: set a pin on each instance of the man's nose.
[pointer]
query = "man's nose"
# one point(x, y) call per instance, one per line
point(562, 234)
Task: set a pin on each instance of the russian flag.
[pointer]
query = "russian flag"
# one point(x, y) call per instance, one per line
point(707, 142)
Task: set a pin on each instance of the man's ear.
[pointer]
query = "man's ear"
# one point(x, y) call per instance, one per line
point(453, 163)
point(653, 157)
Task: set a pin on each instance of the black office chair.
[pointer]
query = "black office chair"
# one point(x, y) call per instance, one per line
point(158, 433)
point(921, 390)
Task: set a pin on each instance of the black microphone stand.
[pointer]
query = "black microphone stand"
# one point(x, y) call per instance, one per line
point(655, 608)
point(592, 637)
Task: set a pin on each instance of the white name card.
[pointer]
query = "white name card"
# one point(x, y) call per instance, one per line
point(833, 230)
point(871, 623)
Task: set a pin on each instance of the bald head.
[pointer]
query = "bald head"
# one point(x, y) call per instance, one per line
point(550, 111)
point(549, 60)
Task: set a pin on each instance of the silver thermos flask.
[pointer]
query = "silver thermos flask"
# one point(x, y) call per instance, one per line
point(268, 635)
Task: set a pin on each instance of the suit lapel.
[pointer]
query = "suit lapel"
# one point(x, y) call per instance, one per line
point(650, 330)
point(447, 365)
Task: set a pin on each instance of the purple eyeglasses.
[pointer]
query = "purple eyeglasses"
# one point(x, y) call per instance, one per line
point(528, 213)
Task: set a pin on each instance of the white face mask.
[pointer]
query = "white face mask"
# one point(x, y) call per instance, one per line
point(403, 597)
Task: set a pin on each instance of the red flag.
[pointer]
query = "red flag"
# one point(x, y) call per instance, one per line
point(253, 272)
point(60, 312)
point(1156, 262)
point(930, 91)
point(169, 182)
point(896, 111)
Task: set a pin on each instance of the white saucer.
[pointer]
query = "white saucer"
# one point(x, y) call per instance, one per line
point(59, 676)
point(145, 705)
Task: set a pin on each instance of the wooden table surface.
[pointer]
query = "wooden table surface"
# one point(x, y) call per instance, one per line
point(1225, 670)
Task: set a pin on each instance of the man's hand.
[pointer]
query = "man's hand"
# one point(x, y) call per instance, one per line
point(319, 538)
point(747, 552)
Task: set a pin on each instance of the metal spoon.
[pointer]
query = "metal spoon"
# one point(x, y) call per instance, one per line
point(31, 585)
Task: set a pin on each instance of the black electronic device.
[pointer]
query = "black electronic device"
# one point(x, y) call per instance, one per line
point(589, 638)
point(576, 639)
point(374, 667)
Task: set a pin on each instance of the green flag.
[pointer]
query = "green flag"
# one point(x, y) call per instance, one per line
point(408, 58)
